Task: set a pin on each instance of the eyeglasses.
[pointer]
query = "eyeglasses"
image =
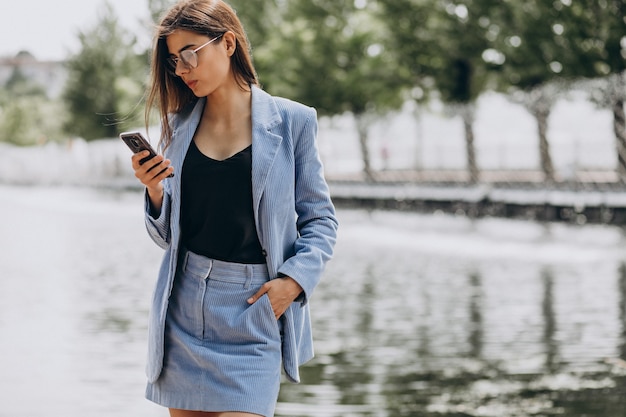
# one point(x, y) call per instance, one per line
point(189, 57)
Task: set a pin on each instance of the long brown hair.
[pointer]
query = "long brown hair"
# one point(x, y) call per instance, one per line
point(166, 91)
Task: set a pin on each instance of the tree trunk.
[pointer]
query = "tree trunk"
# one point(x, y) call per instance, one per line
point(468, 125)
point(419, 137)
point(539, 102)
point(362, 126)
point(544, 147)
point(619, 129)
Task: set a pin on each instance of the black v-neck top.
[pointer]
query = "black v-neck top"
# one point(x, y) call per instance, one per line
point(217, 219)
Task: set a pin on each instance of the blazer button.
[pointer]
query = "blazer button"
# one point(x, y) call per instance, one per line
point(264, 253)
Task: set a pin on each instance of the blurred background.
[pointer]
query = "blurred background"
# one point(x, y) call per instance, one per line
point(476, 152)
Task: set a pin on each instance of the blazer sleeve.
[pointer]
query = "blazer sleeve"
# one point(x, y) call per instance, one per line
point(316, 221)
point(158, 223)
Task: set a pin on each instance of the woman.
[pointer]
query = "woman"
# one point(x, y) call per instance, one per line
point(246, 222)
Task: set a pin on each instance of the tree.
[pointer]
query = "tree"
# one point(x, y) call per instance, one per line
point(158, 7)
point(461, 73)
point(598, 35)
point(610, 92)
point(410, 43)
point(442, 44)
point(542, 55)
point(20, 85)
point(27, 115)
point(330, 54)
point(261, 19)
point(106, 81)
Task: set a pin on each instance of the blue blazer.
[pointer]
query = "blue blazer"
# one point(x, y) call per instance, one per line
point(294, 215)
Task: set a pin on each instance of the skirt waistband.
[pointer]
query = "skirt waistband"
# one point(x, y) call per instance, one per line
point(224, 271)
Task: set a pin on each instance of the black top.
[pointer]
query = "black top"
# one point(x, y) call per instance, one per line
point(217, 220)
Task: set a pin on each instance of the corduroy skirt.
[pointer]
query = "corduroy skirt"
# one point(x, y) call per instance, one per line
point(221, 354)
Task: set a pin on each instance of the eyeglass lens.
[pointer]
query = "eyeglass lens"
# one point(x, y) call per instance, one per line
point(188, 57)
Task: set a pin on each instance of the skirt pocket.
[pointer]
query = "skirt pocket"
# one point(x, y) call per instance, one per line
point(229, 319)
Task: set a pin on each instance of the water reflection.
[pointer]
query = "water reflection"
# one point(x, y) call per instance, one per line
point(549, 319)
point(621, 290)
point(475, 316)
point(417, 315)
point(74, 288)
point(523, 322)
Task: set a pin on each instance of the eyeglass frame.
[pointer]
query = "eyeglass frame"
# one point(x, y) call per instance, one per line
point(174, 61)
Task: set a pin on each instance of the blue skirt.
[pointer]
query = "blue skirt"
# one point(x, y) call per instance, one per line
point(221, 354)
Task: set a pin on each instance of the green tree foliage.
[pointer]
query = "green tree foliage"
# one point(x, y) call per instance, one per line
point(158, 7)
point(261, 20)
point(442, 45)
point(528, 44)
point(548, 45)
point(597, 36)
point(528, 49)
point(412, 39)
point(461, 72)
point(21, 86)
point(106, 81)
point(27, 115)
point(333, 58)
point(328, 54)
point(365, 57)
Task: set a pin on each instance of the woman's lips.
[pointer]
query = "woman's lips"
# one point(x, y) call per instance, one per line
point(191, 84)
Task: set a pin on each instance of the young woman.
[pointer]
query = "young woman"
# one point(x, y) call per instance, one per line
point(246, 222)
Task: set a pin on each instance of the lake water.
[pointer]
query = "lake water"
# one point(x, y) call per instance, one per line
point(417, 315)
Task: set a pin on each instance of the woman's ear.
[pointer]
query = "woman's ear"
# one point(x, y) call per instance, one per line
point(230, 42)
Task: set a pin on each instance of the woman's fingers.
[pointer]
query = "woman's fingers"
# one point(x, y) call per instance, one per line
point(153, 170)
point(281, 293)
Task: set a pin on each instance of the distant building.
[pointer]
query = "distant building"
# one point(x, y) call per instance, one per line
point(51, 75)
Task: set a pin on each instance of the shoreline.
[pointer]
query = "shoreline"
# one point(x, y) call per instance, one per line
point(597, 199)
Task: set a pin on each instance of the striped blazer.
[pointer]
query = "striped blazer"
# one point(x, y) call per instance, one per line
point(294, 215)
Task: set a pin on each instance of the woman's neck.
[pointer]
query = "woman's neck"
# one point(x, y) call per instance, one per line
point(228, 105)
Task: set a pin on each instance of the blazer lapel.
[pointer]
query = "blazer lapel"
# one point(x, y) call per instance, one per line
point(184, 134)
point(184, 131)
point(265, 143)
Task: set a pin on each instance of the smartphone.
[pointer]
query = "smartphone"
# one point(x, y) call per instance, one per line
point(137, 143)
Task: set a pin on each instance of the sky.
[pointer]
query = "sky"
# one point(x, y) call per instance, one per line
point(48, 28)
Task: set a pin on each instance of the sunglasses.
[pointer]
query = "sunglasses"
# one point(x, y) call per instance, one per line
point(188, 57)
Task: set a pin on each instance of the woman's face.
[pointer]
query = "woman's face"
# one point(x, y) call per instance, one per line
point(213, 60)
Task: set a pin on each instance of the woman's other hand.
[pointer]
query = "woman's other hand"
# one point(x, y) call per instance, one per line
point(281, 292)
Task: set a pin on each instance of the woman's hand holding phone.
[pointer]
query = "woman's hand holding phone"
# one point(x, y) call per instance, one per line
point(150, 168)
point(150, 173)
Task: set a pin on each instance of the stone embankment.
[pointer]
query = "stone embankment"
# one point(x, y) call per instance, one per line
point(589, 197)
